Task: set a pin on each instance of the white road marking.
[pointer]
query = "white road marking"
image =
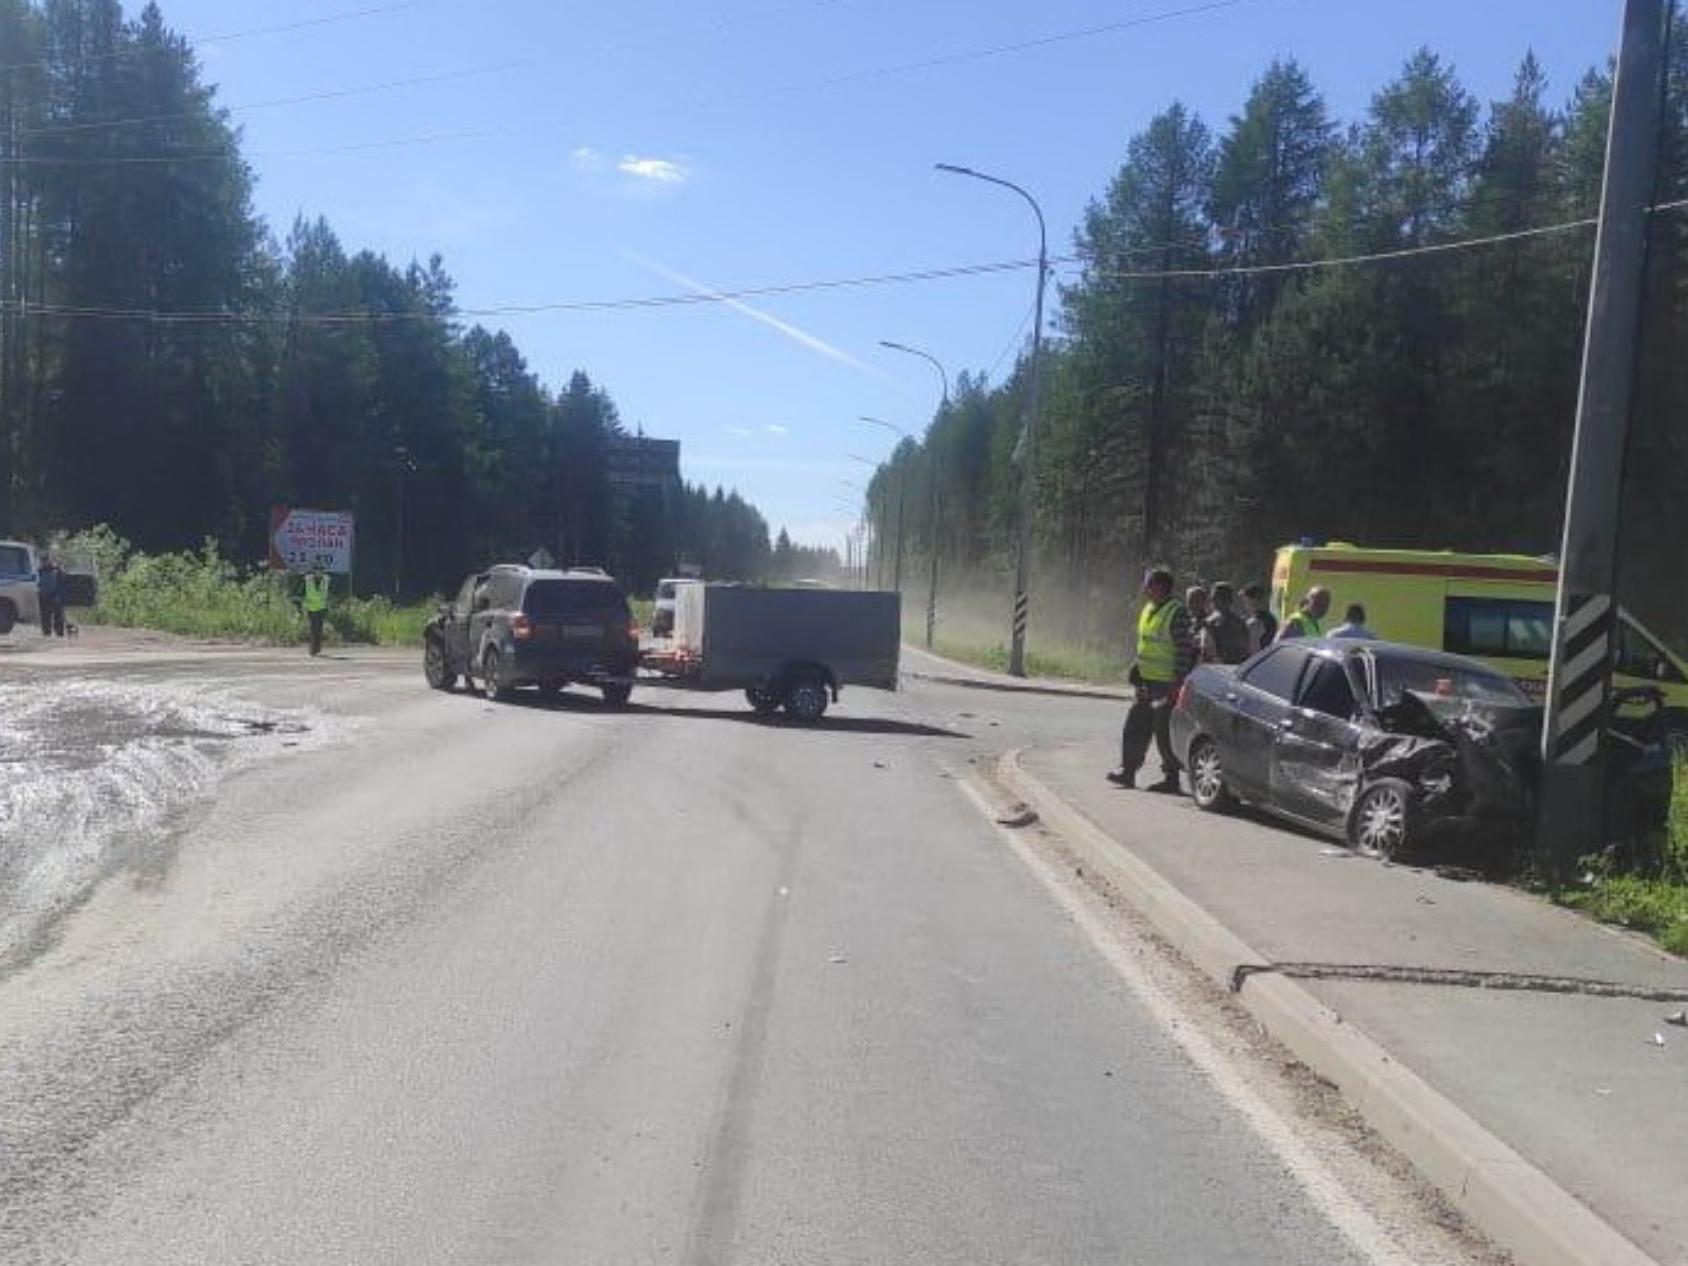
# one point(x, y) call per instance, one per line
point(1327, 1193)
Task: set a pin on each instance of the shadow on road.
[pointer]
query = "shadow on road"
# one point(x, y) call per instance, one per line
point(569, 701)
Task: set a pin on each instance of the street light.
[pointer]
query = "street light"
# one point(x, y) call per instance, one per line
point(1028, 476)
point(934, 473)
point(902, 497)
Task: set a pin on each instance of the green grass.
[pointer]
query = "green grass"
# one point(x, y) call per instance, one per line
point(201, 594)
point(1654, 903)
point(1069, 663)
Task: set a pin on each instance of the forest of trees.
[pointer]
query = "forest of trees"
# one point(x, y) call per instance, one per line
point(308, 374)
point(1421, 401)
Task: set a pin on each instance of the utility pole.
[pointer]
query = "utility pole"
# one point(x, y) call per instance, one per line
point(1028, 442)
point(1571, 821)
point(935, 475)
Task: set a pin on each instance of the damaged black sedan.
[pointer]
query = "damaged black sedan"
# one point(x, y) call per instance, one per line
point(1381, 745)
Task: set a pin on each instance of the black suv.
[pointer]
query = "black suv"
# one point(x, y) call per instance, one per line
point(520, 626)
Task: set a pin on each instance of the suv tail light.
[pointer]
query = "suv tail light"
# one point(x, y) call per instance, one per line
point(521, 628)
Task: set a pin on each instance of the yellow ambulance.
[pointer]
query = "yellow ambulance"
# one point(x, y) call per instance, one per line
point(1494, 607)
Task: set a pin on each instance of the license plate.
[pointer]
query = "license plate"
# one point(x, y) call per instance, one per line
point(583, 630)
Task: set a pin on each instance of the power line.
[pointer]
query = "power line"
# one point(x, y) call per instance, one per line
point(354, 317)
point(1012, 343)
point(1018, 46)
point(1059, 37)
point(229, 37)
point(337, 94)
point(208, 317)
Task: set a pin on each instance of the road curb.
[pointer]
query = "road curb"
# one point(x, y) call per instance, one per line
point(1503, 1194)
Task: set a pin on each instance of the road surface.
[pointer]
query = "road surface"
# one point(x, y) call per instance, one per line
point(420, 979)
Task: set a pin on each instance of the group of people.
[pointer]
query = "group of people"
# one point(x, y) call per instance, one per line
point(1206, 627)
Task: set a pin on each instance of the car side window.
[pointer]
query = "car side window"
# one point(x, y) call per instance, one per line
point(503, 591)
point(466, 598)
point(1277, 672)
point(1326, 690)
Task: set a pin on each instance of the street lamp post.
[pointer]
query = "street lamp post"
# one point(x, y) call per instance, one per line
point(937, 486)
point(1028, 455)
point(902, 498)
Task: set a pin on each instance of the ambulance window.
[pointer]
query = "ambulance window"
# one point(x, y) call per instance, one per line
point(1502, 628)
point(1640, 656)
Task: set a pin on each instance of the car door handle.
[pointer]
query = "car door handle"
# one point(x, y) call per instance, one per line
point(1286, 723)
point(1231, 696)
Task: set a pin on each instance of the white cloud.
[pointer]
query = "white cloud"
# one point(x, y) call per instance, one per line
point(801, 337)
point(743, 432)
point(659, 171)
point(587, 159)
point(774, 428)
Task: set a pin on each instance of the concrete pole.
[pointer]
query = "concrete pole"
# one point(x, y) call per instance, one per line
point(1571, 821)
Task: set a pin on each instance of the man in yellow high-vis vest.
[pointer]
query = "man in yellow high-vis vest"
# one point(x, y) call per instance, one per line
point(316, 606)
point(1309, 617)
point(1166, 651)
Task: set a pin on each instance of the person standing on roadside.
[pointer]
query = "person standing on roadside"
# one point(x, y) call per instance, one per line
point(1166, 651)
point(1257, 614)
point(49, 597)
point(1198, 606)
point(316, 606)
point(1227, 635)
point(1308, 620)
point(1354, 624)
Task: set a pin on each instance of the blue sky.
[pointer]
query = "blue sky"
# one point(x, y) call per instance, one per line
point(635, 149)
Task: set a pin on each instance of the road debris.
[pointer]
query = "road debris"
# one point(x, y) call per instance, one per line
point(838, 958)
point(1678, 1018)
point(879, 764)
point(1658, 1039)
point(1017, 816)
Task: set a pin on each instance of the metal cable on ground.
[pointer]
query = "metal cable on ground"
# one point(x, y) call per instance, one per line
point(1461, 978)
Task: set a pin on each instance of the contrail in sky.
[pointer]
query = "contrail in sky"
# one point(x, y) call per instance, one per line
point(802, 337)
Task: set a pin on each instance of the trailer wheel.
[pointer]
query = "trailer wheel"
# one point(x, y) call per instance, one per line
point(806, 699)
point(763, 702)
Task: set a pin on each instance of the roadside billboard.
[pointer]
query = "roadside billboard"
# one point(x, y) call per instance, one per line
point(309, 540)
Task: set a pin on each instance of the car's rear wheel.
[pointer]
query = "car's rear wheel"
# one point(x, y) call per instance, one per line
point(617, 693)
point(436, 667)
point(763, 702)
point(1383, 822)
point(492, 675)
point(806, 700)
point(1207, 777)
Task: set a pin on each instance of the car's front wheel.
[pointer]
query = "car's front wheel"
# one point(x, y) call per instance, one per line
point(1207, 777)
point(1383, 822)
point(436, 667)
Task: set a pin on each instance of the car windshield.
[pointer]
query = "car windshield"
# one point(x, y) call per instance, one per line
point(574, 597)
point(1398, 674)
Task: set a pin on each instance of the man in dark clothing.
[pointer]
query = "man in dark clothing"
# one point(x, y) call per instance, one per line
point(49, 597)
point(1166, 651)
point(1257, 614)
point(1227, 635)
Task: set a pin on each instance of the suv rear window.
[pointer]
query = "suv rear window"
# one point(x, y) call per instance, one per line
point(573, 597)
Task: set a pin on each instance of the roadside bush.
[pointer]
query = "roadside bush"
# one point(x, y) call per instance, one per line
point(202, 594)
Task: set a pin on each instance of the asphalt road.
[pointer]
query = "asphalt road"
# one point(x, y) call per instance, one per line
point(537, 983)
